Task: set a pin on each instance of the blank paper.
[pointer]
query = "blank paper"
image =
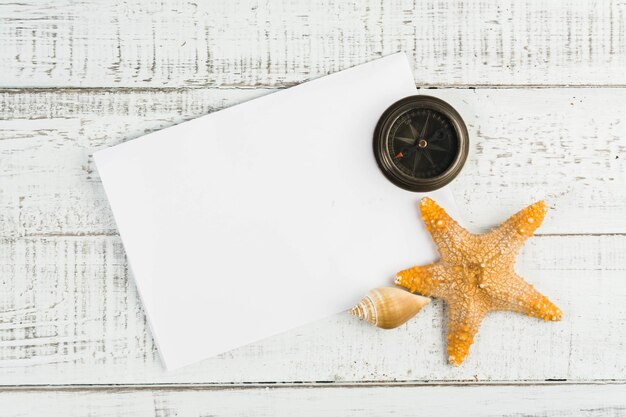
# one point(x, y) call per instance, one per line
point(265, 216)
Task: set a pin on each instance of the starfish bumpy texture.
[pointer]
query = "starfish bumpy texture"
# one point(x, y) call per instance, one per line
point(475, 274)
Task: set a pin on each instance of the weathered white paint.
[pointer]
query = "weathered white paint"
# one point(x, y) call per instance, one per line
point(69, 308)
point(468, 401)
point(247, 43)
point(564, 145)
point(70, 315)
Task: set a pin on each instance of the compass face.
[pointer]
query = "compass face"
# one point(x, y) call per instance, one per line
point(420, 143)
point(423, 143)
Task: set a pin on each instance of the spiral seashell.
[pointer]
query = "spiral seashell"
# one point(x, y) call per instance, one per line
point(389, 307)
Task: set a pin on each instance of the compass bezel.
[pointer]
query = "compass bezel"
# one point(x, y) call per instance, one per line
point(385, 160)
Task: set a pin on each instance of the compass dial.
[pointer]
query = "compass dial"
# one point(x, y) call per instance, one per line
point(420, 143)
point(423, 143)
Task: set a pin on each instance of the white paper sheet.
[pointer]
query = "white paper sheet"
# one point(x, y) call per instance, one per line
point(265, 216)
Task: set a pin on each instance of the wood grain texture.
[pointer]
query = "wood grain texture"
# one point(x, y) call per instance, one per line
point(468, 401)
point(525, 145)
point(248, 43)
point(70, 315)
point(69, 312)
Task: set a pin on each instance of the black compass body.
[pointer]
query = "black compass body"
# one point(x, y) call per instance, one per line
point(421, 143)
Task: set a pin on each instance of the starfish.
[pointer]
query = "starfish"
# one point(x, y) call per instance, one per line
point(475, 274)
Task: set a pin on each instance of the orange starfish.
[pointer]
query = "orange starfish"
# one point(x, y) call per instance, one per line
point(475, 274)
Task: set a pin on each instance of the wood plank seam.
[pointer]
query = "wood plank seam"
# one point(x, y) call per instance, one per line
point(304, 385)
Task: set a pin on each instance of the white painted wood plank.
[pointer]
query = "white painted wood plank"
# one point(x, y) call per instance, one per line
point(70, 315)
point(444, 401)
point(565, 145)
point(247, 43)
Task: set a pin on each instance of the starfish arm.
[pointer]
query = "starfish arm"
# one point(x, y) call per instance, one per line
point(425, 280)
point(511, 235)
point(445, 231)
point(522, 297)
point(463, 324)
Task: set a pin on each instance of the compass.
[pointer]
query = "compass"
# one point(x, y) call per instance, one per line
point(420, 143)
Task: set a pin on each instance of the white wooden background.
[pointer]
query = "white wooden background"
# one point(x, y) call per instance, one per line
point(542, 87)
